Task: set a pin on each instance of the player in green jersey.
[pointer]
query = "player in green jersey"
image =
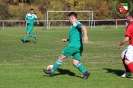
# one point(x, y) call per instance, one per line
point(75, 47)
point(30, 18)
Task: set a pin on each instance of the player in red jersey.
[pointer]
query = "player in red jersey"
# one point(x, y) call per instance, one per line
point(127, 54)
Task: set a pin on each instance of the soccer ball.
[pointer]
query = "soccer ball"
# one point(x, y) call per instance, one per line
point(49, 67)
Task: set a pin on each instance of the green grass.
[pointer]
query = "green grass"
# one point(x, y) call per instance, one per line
point(21, 64)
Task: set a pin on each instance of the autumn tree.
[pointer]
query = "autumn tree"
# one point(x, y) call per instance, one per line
point(4, 14)
point(103, 9)
point(16, 2)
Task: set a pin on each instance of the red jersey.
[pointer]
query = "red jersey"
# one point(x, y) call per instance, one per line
point(129, 33)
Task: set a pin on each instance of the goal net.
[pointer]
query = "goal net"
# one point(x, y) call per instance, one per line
point(60, 18)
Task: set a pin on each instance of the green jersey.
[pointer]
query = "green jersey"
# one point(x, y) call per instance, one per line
point(75, 35)
point(31, 18)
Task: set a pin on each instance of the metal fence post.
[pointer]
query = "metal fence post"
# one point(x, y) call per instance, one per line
point(116, 23)
point(3, 24)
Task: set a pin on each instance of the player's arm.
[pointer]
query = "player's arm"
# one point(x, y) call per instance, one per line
point(26, 19)
point(36, 18)
point(65, 40)
point(37, 22)
point(126, 39)
point(85, 36)
point(127, 35)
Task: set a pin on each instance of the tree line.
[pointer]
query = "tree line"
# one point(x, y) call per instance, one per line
point(16, 9)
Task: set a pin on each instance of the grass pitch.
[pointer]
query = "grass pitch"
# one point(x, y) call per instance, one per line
point(21, 64)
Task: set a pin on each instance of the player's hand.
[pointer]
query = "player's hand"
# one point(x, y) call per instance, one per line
point(27, 21)
point(118, 47)
point(38, 23)
point(64, 40)
point(85, 39)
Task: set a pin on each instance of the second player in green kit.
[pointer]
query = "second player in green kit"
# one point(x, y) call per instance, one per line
point(30, 18)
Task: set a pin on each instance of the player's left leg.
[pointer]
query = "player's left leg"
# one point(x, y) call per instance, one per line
point(32, 35)
point(127, 72)
point(123, 60)
point(76, 63)
point(129, 58)
point(81, 68)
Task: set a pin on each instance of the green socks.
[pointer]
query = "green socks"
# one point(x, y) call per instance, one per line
point(26, 37)
point(56, 65)
point(59, 62)
point(31, 35)
point(81, 68)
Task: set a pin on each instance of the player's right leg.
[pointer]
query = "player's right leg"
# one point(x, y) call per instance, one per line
point(130, 66)
point(66, 52)
point(56, 65)
point(26, 37)
point(28, 30)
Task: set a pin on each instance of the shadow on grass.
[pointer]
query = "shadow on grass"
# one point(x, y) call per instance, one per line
point(29, 41)
point(65, 72)
point(114, 71)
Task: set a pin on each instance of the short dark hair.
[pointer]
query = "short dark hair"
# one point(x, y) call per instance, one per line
point(72, 14)
point(131, 14)
point(31, 9)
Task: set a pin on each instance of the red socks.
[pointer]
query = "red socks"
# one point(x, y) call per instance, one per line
point(130, 66)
